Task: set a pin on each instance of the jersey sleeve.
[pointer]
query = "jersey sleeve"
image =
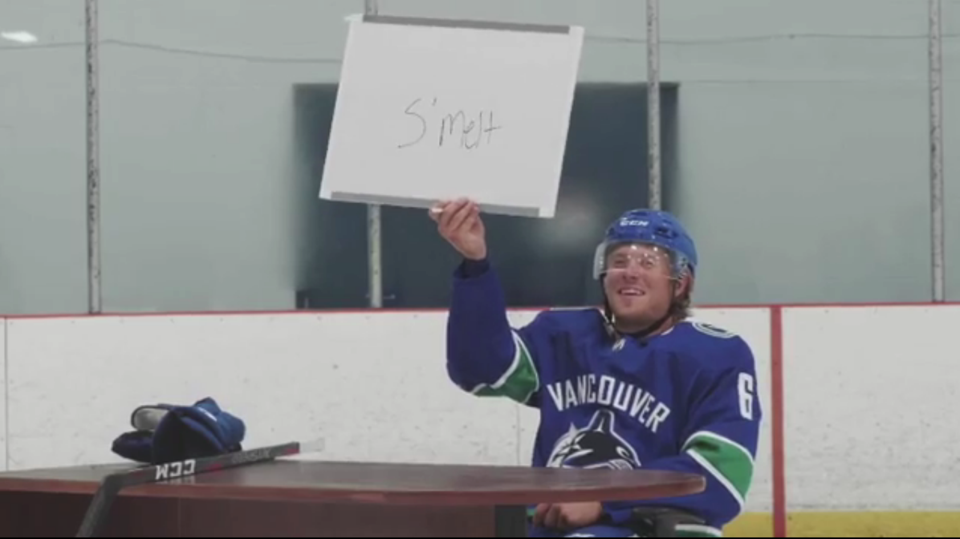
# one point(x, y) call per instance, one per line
point(720, 444)
point(485, 355)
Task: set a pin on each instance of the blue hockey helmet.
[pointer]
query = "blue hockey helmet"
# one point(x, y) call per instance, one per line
point(655, 228)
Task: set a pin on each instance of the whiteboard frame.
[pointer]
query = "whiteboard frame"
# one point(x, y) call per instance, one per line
point(414, 202)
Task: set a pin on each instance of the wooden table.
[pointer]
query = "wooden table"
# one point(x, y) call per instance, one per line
point(321, 499)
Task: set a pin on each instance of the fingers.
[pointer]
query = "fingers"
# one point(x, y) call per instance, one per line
point(554, 517)
point(454, 216)
point(546, 515)
point(450, 210)
point(459, 217)
point(437, 210)
point(441, 208)
point(540, 514)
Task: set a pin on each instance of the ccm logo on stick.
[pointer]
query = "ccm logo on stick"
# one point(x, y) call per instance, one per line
point(176, 469)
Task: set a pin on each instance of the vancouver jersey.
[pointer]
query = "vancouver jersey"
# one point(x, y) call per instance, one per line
point(684, 400)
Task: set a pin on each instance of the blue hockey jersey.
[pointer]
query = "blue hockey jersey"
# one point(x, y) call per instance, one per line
point(685, 400)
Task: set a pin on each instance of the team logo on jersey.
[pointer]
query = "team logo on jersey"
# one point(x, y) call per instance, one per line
point(596, 446)
point(712, 330)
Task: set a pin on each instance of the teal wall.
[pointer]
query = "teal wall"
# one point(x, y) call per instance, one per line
point(797, 153)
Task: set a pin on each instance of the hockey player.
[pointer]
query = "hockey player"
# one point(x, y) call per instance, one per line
point(636, 385)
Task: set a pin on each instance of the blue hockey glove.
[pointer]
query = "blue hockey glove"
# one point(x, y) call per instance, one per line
point(166, 433)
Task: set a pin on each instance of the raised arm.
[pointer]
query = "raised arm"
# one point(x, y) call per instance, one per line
point(485, 355)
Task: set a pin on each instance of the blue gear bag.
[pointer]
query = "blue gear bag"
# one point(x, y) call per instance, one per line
point(168, 433)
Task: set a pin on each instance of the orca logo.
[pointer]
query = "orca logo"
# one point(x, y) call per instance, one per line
point(596, 446)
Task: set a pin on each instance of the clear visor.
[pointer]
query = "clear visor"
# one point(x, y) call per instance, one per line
point(638, 258)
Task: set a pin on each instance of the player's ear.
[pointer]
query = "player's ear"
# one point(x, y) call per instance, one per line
point(686, 286)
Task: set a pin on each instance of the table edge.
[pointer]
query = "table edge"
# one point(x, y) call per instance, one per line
point(685, 485)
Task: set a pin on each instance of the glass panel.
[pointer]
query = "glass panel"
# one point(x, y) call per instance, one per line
point(42, 157)
point(803, 143)
point(209, 190)
point(795, 146)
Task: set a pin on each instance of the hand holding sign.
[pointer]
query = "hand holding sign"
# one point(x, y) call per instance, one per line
point(460, 224)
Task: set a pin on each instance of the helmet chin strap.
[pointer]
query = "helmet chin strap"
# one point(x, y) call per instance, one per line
point(610, 318)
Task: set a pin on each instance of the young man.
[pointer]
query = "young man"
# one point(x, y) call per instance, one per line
point(637, 385)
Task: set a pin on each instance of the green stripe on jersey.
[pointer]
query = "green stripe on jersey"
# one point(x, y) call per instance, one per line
point(728, 458)
point(520, 381)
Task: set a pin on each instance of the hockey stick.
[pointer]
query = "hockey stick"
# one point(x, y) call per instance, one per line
point(96, 516)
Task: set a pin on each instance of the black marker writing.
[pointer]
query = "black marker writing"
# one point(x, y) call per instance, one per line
point(423, 122)
point(457, 129)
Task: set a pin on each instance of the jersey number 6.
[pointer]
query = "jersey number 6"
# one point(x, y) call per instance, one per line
point(746, 389)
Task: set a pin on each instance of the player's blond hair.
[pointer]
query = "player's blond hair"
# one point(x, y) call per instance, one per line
point(680, 308)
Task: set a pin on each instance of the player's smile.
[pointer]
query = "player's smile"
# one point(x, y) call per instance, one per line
point(630, 296)
point(630, 291)
point(629, 299)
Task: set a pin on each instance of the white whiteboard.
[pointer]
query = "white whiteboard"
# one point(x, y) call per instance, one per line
point(429, 110)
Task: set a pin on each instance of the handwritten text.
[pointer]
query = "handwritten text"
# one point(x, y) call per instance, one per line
point(455, 128)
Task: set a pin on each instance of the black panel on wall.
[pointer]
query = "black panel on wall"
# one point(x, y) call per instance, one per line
point(541, 262)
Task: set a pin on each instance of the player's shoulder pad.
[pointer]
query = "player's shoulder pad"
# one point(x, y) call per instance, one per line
point(570, 319)
point(718, 346)
point(711, 330)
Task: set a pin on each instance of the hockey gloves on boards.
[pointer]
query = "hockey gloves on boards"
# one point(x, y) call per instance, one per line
point(167, 433)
